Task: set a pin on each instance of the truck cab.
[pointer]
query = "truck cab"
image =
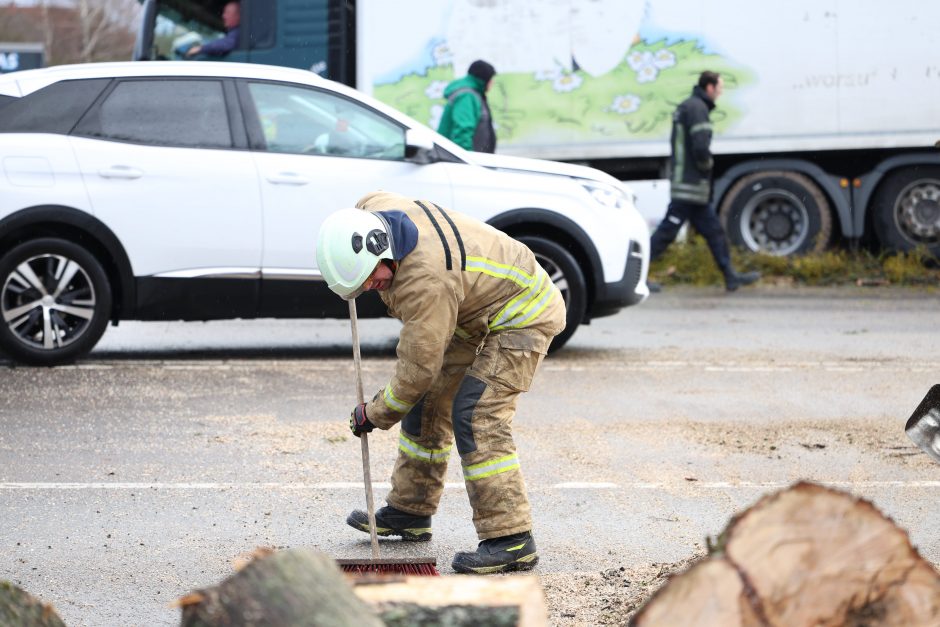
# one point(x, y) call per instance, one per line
point(311, 35)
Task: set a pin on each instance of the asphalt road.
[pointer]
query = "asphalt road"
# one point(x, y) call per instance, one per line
point(142, 472)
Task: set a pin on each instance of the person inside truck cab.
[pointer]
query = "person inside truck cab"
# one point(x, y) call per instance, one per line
point(231, 18)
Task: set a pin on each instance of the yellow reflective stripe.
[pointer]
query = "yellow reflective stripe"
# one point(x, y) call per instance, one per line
point(519, 302)
point(533, 307)
point(462, 334)
point(526, 306)
point(499, 271)
point(505, 267)
point(416, 451)
point(701, 126)
point(393, 402)
point(517, 547)
point(490, 468)
point(532, 311)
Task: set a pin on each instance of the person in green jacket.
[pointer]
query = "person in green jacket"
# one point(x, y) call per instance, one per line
point(466, 119)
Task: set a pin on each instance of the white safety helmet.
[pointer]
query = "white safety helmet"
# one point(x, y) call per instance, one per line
point(350, 244)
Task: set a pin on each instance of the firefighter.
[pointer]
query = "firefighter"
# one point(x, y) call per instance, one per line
point(478, 316)
point(691, 184)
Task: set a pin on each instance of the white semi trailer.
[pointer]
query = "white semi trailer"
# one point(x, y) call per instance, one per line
point(827, 130)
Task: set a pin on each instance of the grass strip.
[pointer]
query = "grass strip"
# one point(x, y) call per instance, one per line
point(691, 263)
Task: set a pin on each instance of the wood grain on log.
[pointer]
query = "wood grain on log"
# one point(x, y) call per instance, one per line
point(815, 556)
point(708, 594)
point(805, 556)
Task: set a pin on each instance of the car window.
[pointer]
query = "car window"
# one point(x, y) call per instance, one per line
point(187, 113)
point(55, 108)
point(310, 121)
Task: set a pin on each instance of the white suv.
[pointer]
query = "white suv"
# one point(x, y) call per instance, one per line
point(194, 191)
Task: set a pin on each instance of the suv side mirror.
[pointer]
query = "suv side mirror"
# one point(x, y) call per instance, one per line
point(419, 146)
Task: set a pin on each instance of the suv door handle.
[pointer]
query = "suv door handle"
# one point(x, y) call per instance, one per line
point(287, 178)
point(120, 172)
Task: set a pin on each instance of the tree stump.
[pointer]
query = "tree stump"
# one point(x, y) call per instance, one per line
point(18, 607)
point(294, 588)
point(810, 556)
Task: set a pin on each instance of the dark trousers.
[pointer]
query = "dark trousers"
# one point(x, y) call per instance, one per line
point(705, 221)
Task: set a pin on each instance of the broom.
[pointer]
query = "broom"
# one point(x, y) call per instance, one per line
point(376, 565)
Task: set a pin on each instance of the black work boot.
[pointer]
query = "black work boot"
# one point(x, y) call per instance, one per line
point(734, 280)
point(393, 522)
point(499, 555)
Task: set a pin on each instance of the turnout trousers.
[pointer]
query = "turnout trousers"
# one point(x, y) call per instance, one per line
point(472, 401)
point(705, 221)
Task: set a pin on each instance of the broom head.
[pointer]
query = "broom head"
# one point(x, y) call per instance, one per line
point(388, 566)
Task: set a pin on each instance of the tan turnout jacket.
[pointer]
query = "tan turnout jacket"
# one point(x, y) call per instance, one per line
point(466, 279)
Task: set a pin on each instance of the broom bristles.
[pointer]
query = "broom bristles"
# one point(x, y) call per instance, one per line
point(426, 569)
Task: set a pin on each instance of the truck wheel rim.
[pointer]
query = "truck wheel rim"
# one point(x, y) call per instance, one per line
point(47, 302)
point(775, 222)
point(917, 212)
point(556, 274)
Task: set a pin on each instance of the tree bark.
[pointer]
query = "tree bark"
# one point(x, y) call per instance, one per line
point(18, 607)
point(808, 555)
point(413, 615)
point(285, 589)
point(456, 601)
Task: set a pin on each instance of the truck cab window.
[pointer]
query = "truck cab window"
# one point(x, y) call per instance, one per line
point(308, 121)
point(182, 24)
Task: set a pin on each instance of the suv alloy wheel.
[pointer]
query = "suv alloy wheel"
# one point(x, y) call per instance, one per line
point(55, 301)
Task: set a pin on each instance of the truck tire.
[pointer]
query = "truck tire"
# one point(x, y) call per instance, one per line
point(906, 210)
point(565, 272)
point(778, 213)
point(55, 302)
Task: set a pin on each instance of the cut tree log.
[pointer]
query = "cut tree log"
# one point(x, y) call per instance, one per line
point(291, 588)
point(18, 607)
point(810, 556)
point(457, 601)
point(710, 590)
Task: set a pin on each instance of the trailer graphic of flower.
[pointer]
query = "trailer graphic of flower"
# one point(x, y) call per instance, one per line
point(634, 101)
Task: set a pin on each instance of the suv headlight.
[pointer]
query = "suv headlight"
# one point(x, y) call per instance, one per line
point(607, 195)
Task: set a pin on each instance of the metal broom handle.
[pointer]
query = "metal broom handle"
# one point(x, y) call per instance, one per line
point(363, 437)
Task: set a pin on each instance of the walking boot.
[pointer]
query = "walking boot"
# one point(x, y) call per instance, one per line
point(499, 555)
point(393, 522)
point(734, 280)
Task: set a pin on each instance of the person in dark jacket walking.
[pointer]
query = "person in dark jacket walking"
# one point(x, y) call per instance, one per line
point(466, 119)
point(690, 190)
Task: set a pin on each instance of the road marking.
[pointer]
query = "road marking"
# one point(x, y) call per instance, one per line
point(357, 485)
point(382, 364)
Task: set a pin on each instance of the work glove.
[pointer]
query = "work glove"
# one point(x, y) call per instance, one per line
point(358, 423)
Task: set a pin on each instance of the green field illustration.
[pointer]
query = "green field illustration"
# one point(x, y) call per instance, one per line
point(633, 102)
